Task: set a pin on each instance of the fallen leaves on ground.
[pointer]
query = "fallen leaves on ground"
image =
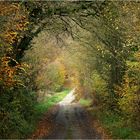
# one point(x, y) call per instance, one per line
point(45, 126)
point(96, 125)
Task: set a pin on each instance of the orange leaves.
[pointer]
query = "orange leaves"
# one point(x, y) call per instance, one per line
point(8, 8)
point(16, 21)
point(46, 125)
point(8, 75)
point(10, 36)
point(21, 26)
point(13, 26)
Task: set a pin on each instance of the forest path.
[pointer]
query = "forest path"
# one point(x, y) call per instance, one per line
point(71, 121)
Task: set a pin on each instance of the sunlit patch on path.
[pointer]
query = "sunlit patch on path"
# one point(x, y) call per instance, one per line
point(68, 99)
point(72, 121)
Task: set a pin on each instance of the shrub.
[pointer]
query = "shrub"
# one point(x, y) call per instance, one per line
point(129, 100)
point(99, 86)
point(16, 112)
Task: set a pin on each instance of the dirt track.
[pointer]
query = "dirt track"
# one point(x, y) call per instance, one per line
point(68, 120)
point(72, 122)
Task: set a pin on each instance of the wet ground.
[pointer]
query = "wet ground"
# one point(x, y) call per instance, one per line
point(72, 121)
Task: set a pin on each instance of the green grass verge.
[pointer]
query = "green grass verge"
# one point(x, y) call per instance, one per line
point(116, 126)
point(48, 102)
point(85, 102)
point(43, 107)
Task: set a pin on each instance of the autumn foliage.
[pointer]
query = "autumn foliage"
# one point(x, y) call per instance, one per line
point(93, 44)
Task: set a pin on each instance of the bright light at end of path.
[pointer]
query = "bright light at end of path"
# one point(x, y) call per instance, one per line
point(69, 98)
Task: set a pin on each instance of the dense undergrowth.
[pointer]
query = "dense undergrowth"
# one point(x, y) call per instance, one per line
point(42, 107)
point(100, 56)
point(17, 113)
point(18, 124)
point(117, 125)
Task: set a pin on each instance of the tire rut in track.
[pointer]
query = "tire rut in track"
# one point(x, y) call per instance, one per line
point(73, 122)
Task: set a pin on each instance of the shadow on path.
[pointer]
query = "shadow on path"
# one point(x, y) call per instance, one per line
point(72, 121)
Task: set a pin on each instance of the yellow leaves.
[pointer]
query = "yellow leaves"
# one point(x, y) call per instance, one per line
point(15, 24)
point(137, 56)
point(10, 36)
point(45, 126)
point(8, 75)
point(117, 28)
point(25, 65)
point(16, 21)
point(6, 72)
point(8, 8)
point(21, 26)
point(126, 102)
